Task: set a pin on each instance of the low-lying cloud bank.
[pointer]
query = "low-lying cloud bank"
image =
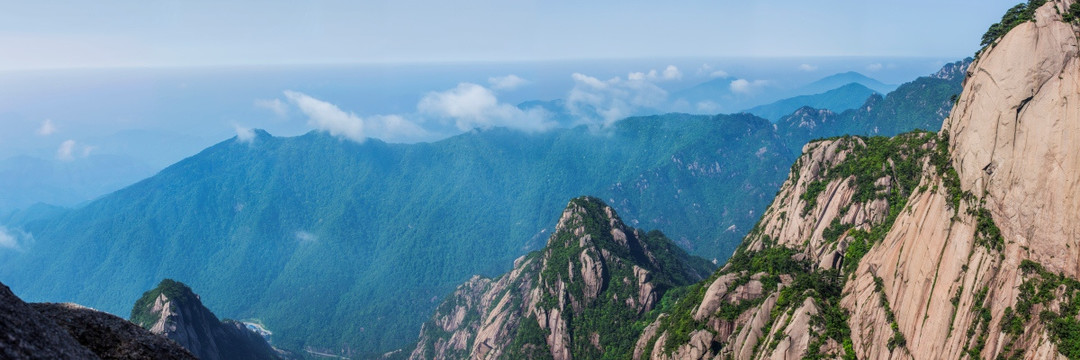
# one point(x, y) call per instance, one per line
point(327, 117)
point(13, 239)
point(602, 103)
point(467, 106)
point(472, 106)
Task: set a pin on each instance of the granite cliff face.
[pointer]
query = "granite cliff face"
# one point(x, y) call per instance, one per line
point(173, 311)
point(962, 244)
point(780, 296)
point(69, 331)
point(956, 244)
point(578, 297)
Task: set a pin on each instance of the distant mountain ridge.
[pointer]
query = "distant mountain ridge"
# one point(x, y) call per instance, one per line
point(837, 80)
point(846, 97)
point(719, 95)
point(374, 234)
point(377, 232)
point(921, 104)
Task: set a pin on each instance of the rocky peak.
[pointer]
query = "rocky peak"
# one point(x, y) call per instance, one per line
point(70, 331)
point(779, 294)
point(953, 71)
point(808, 118)
point(561, 302)
point(173, 310)
point(1015, 132)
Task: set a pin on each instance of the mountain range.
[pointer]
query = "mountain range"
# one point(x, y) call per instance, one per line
point(374, 234)
point(955, 244)
point(846, 97)
point(345, 247)
point(719, 94)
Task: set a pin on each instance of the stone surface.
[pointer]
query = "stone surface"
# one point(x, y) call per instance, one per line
point(26, 334)
point(495, 309)
point(185, 320)
point(109, 336)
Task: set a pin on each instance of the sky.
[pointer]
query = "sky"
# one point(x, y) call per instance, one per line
point(125, 33)
point(106, 93)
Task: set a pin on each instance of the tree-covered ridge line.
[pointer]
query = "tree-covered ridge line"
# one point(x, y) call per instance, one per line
point(373, 234)
point(390, 224)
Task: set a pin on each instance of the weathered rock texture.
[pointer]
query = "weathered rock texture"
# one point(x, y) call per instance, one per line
point(109, 336)
point(578, 297)
point(1015, 144)
point(69, 331)
point(172, 310)
point(972, 251)
point(26, 334)
point(1016, 132)
point(779, 295)
point(960, 244)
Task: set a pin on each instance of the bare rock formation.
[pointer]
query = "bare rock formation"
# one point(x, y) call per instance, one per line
point(173, 311)
point(962, 244)
point(577, 298)
point(109, 336)
point(69, 331)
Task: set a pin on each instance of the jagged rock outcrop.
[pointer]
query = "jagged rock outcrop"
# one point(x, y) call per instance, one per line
point(172, 310)
point(69, 331)
point(109, 336)
point(1015, 133)
point(953, 268)
point(579, 297)
point(26, 334)
point(962, 244)
point(779, 295)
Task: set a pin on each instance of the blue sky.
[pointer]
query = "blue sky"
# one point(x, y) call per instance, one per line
point(59, 34)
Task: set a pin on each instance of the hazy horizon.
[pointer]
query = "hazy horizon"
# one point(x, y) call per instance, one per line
point(181, 34)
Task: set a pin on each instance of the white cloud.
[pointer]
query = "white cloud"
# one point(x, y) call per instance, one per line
point(743, 86)
point(244, 134)
point(69, 150)
point(306, 237)
point(740, 86)
point(672, 73)
point(472, 106)
point(7, 241)
point(508, 82)
point(669, 73)
point(87, 149)
point(13, 239)
point(708, 107)
point(275, 106)
point(65, 151)
point(807, 68)
point(707, 70)
point(47, 128)
point(874, 67)
point(328, 117)
point(604, 102)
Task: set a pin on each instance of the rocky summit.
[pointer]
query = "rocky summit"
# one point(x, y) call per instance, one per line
point(173, 311)
point(579, 297)
point(70, 331)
